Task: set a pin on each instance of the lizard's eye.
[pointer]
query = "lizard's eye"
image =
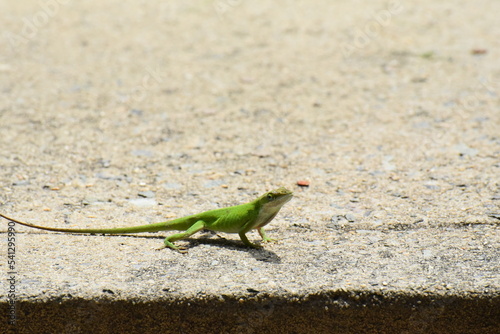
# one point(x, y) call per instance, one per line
point(270, 197)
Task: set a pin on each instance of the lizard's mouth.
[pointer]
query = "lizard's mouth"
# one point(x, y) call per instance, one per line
point(283, 199)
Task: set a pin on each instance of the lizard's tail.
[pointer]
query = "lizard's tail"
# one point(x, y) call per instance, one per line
point(135, 229)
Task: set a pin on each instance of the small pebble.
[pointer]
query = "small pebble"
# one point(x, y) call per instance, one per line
point(143, 202)
point(350, 217)
point(142, 153)
point(146, 194)
point(427, 253)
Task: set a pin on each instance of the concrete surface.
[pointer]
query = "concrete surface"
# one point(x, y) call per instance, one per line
point(120, 113)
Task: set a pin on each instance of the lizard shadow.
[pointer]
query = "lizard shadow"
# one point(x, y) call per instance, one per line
point(210, 238)
point(207, 238)
point(260, 254)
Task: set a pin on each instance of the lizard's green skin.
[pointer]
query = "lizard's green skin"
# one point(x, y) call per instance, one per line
point(235, 219)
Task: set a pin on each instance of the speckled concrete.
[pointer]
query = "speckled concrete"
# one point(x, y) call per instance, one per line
point(118, 114)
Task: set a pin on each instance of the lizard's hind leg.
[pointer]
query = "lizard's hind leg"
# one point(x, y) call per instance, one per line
point(196, 227)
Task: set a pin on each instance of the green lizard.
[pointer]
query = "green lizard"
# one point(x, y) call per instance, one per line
point(235, 219)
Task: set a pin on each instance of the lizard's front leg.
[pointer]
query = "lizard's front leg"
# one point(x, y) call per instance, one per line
point(264, 236)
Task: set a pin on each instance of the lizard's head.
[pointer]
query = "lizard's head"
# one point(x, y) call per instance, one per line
point(276, 198)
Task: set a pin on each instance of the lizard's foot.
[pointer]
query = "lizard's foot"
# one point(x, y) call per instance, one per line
point(264, 236)
point(180, 249)
point(269, 240)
